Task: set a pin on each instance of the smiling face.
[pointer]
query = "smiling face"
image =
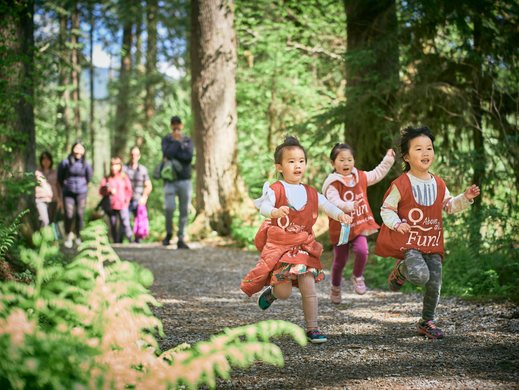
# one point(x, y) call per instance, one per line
point(293, 165)
point(344, 162)
point(78, 151)
point(420, 156)
point(116, 168)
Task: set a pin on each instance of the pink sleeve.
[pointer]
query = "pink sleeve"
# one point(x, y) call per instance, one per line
point(103, 191)
point(333, 196)
point(380, 171)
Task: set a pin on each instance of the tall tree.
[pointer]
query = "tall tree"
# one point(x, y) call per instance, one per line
point(91, 65)
point(122, 114)
point(17, 135)
point(213, 63)
point(151, 61)
point(372, 82)
point(62, 116)
point(76, 69)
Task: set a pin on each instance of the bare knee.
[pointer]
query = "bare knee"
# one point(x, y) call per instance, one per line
point(282, 290)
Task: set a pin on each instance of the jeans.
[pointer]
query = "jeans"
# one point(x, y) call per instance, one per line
point(184, 190)
point(124, 225)
point(420, 269)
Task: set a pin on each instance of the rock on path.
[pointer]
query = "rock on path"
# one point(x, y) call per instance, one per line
point(373, 341)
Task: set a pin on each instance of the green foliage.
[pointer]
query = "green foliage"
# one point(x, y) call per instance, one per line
point(8, 233)
point(15, 185)
point(244, 234)
point(89, 325)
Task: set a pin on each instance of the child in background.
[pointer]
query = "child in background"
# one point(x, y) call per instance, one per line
point(346, 188)
point(290, 256)
point(413, 228)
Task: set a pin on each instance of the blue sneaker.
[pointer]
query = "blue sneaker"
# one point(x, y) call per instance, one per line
point(266, 298)
point(315, 337)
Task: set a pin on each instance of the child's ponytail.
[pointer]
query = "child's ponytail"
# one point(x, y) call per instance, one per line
point(289, 143)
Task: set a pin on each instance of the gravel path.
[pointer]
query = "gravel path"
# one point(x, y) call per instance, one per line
point(372, 339)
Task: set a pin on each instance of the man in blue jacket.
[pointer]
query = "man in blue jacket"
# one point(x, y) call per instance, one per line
point(180, 147)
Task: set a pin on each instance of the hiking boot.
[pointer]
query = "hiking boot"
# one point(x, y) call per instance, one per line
point(429, 329)
point(396, 279)
point(266, 298)
point(166, 240)
point(69, 240)
point(335, 294)
point(315, 337)
point(181, 244)
point(358, 284)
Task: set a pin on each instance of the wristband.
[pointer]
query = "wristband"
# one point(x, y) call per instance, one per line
point(399, 223)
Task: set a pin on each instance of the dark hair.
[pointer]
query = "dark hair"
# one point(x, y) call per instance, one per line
point(337, 149)
point(71, 156)
point(406, 135)
point(46, 155)
point(289, 143)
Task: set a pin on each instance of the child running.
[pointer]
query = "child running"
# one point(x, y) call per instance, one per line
point(413, 229)
point(346, 187)
point(290, 256)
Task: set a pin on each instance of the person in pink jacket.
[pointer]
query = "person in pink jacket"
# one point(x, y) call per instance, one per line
point(119, 188)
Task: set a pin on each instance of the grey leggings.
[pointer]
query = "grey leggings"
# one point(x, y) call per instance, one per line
point(71, 200)
point(420, 269)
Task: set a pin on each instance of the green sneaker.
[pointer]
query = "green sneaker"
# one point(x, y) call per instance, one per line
point(266, 298)
point(396, 279)
point(315, 337)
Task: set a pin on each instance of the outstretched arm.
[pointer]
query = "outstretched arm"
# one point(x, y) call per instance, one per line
point(382, 169)
point(462, 201)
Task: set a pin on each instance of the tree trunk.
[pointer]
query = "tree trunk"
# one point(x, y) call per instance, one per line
point(122, 114)
point(76, 70)
point(62, 121)
point(213, 63)
point(17, 112)
point(370, 123)
point(92, 128)
point(151, 62)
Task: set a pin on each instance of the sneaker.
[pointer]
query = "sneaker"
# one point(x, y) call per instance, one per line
point(166, 240)
point(315, 337)
point(266, 298)
point(335, 294)
point(68, 241)
point(358, 284)
point(429, 329)
point(78, 241)
point(181, 244)
point(396, 279)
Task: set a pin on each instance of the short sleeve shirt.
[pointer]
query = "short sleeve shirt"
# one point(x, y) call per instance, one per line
point(137, 177)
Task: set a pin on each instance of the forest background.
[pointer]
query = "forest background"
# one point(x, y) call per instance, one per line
point(243, 74)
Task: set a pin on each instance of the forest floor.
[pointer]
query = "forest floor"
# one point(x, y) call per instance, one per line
point(372, 339)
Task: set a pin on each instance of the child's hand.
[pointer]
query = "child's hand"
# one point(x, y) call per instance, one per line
point(355, 205)
point(403, 228)
point(113, 191)
point(281, 212)
point(344, 218)
point(472, 192)
point(391, 153)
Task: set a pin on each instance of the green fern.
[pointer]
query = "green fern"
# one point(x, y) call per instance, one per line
point(8, 233)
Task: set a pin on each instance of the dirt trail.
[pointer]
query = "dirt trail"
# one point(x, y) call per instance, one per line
point(373, 341)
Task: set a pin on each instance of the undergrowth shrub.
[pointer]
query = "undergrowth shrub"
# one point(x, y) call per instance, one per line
point(88, 324)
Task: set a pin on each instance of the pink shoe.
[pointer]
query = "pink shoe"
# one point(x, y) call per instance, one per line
point(335, 294)
point(358, 284)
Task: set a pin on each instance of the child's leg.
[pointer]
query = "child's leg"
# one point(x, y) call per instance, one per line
point(339, 262)
point(282, 290)
point(309, 295)
point(360, 247)
point(415, 268)
point(432, 287)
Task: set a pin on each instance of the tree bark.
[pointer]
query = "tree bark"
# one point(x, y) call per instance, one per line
point(62, 121)
point(151, 62)
point(17, 133)
point(372, 81)
point(92, 127)
point(76, 70)
point(213, 64)
point(122, 114)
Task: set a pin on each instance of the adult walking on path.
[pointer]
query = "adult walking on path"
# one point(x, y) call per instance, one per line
point(179, 147)
point(141, 183)
point(119, 188)
point(74, 174)
point(48, 193)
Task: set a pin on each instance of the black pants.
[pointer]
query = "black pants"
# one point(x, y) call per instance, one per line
point(71, 201)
